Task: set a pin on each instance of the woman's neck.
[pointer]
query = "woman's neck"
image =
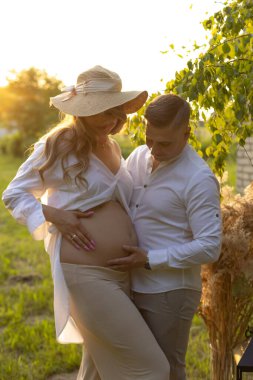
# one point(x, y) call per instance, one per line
point(103, 142)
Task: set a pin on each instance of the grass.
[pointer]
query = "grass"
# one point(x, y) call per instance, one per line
point(198, 354)
point(28, 348)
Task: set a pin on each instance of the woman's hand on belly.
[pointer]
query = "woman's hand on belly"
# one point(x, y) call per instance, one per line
point(69, 223)
point(111, 228)
point(137, 258)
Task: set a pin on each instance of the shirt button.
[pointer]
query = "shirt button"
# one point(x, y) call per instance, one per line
point(145, 186)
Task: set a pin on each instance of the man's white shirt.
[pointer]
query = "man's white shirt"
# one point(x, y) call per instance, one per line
point(176, 213)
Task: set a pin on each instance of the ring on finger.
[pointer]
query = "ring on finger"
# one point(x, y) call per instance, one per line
point(73, 236)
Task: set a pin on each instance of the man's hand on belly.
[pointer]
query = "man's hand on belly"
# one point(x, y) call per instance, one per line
point(136, 258)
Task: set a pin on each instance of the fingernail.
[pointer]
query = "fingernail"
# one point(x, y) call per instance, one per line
point(86, 247)
point(91, 247)
point(93, 244)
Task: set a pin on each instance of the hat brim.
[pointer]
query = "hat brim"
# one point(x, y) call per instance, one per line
point(93, 103)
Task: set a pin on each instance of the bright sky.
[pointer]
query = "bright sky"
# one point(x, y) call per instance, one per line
point(127, 36)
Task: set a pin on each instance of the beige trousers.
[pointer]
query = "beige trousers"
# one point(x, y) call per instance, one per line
point(116, 336)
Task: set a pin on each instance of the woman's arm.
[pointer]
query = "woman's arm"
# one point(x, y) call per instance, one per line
point(22, 195)
point(22, 199)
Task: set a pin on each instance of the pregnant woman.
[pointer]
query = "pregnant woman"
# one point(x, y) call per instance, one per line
point(76, 172)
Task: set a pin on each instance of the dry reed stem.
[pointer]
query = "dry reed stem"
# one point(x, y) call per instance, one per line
point(227, 298)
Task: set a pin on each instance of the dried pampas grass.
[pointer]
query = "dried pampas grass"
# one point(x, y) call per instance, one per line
point(227, 298)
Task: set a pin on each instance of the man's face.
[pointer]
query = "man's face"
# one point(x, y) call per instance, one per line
point(166, 143)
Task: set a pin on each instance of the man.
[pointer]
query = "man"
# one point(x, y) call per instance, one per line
point(176, 211)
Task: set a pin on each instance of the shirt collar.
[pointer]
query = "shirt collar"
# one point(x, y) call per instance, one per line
point(149, 158)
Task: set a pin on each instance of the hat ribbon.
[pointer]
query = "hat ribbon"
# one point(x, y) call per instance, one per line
point(111, 85)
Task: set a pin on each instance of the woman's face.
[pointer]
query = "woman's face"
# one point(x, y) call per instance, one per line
point(101, 124)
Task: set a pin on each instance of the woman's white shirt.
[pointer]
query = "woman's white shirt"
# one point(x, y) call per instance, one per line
point(26, 193)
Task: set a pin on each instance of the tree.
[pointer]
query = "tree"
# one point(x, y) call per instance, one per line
point(26, 103)
point(219, 82)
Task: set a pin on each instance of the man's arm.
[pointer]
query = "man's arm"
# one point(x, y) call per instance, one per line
point(202, 201)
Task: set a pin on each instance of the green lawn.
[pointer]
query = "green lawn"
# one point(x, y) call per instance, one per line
point(28, 349)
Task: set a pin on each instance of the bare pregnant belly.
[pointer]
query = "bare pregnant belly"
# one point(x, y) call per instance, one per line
point(110, 228)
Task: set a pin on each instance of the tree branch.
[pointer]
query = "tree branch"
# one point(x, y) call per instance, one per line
point(247, 154)
point(230, 39)
point(231, 61)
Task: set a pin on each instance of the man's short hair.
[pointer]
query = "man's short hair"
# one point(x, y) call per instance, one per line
point(168, 110)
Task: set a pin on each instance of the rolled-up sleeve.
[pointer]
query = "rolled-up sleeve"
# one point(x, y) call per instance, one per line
point(202, 204)
point(22, 196)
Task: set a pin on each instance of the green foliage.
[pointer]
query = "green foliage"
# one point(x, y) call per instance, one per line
point(219, 82)
point(125, 142)
point(25, 105)
point(15, 144)
point(136, 124)
point(28, 348)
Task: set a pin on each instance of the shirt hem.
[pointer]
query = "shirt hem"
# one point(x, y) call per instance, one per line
point(149, 291)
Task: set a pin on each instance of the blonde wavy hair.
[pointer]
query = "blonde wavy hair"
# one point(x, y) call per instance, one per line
point(72, 137)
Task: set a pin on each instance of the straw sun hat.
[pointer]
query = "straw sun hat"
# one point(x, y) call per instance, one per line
point(97, 90)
